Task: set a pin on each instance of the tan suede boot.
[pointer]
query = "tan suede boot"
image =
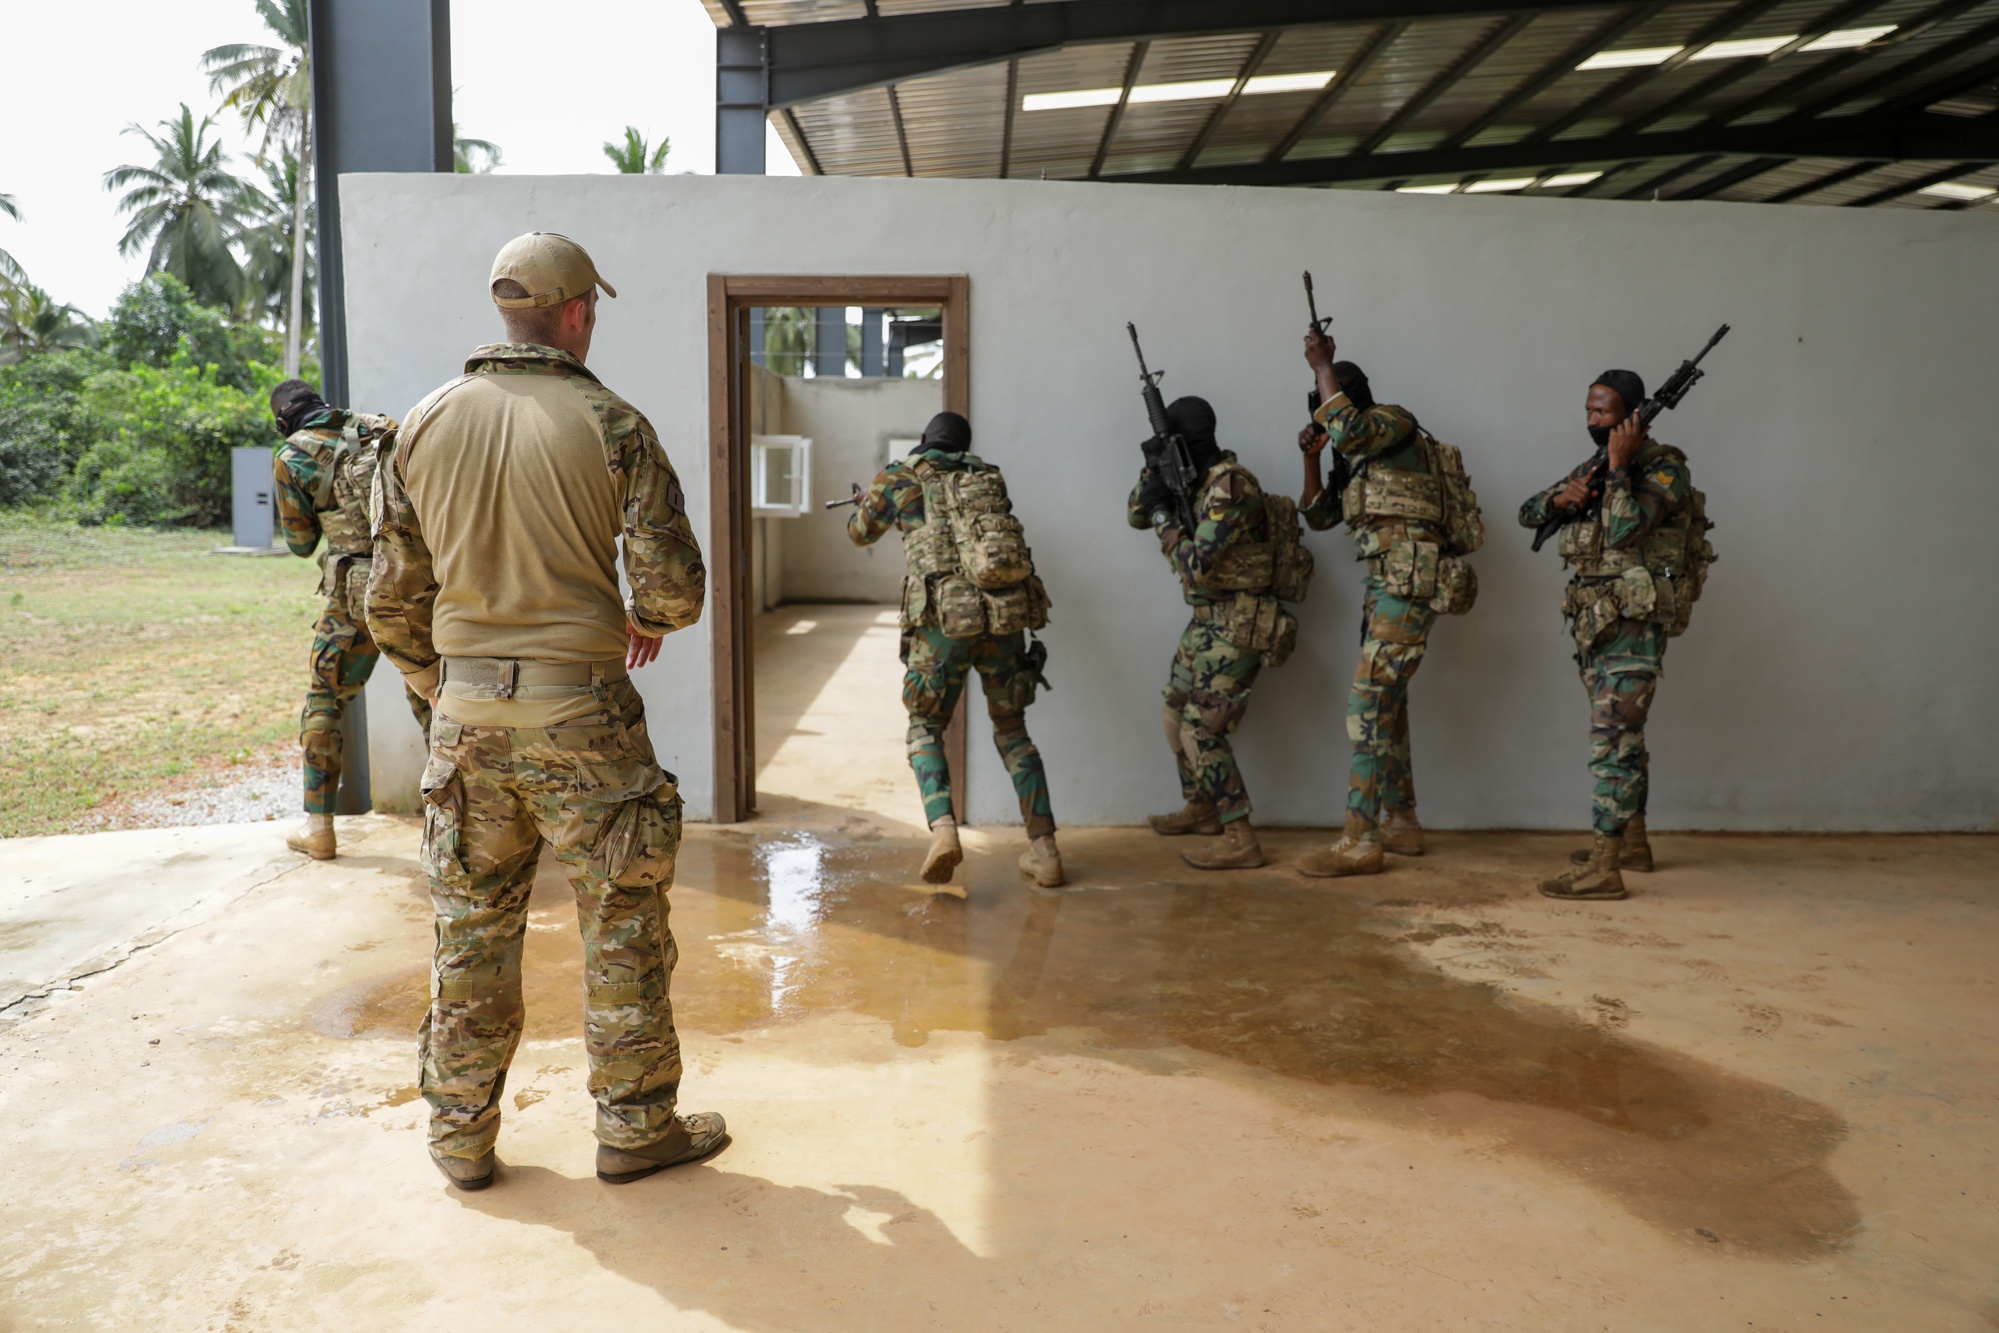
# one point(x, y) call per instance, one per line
point(945, 852)
point(1236, 849)
point(1400, 833)
point(1637, 854)
point(1598, 878)
point(1358, 852)
point(696, 1135)
point(467, 1173)
point(314, 838)
point(1042, 862)
point(1194, 817)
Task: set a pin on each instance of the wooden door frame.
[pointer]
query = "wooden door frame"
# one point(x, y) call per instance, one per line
point(730, 297)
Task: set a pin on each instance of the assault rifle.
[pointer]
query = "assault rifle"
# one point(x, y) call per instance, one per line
point(1668, 395)
point(1313, 399)
point(1166, 452)
point(853, 499)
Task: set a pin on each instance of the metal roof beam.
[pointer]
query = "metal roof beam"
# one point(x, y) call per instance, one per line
point(1899, 136)
point(1446, 79)
point(814, 60)
point(1750, 170)
point(1825, 182)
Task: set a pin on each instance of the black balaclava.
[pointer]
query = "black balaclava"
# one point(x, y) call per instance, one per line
point(1353, 383)
point(948, 432)
point(1626, 385)
point(1193, 420)
point(292, 402)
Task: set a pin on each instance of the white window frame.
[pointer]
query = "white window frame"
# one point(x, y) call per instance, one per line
point(799, 447)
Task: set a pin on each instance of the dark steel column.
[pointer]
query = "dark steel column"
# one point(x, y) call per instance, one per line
point(829, 341)
point(872, 359)
point(742, 99)
point(381, 94)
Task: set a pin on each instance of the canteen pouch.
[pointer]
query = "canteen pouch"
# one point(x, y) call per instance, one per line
point(1457, 586)
point(959, 607)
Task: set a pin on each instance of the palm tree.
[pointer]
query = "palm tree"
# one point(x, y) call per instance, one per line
point(464, 150)
point(272, 86)
point(185, 207)
point(633, 158)
point(31, 321)
point(11, 271)
point(271, 248)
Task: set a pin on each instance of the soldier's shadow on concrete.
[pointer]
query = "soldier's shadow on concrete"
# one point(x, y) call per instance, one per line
point(756, 1254)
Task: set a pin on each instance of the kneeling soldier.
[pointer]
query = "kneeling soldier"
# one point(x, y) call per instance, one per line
point(1640, 557)
point(325, 471)
point(1414, 518)
point(970, 594)
point(496, 592)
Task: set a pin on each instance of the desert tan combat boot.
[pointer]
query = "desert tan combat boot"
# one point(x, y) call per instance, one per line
point(945, 852)
point(1637, 853)
point(1354, 854)
point(314, 838)
point(1193, 817)
point(1042, 862)
point(1236, 849)
point(1400, 833)
point(693, 1137)
point(1596, 878)
point(467, 1173)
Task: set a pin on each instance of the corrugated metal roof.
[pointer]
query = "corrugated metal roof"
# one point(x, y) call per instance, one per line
point(1419, 86)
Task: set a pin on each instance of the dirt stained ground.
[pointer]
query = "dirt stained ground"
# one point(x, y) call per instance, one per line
point(1759, 1094)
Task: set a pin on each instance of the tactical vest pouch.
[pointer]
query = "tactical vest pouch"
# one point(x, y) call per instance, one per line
point(1254, 624)
point(915, 601)
point(1292, 564)
point(1244, 567)
point(1593, 610)
point(1457, 586)
point(1387, 492)
point(930, 549)
point(1463, 525)
point(994, 550)
point(1408, 569)
point(959, 607)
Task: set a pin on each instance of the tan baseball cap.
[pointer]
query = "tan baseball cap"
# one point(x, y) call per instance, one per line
point(552, 267)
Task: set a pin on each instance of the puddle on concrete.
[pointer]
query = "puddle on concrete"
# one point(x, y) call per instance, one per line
point(1263, 970)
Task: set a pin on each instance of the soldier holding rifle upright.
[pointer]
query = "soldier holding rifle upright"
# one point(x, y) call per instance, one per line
point(1634, 530)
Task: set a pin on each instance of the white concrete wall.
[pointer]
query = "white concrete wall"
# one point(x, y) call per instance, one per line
point(850, 424)
point(1838, 673)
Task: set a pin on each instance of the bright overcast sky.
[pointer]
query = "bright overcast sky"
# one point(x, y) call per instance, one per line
point(649, 63)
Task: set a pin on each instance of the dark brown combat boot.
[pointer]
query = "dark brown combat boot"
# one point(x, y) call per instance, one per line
point(1194, 817)
point(1400, 833)
point(1637, 854)
point(467, 1173)
point(693, 1137)
point(1236, 849)
point(1597, 878)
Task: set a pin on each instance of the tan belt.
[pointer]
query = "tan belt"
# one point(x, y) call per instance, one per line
point(504, 675)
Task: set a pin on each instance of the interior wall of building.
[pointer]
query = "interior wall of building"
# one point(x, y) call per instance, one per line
point(1836, 674)
point(850, 423)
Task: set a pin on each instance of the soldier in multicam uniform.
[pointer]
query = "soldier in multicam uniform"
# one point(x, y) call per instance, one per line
point(324, 471)
point(495, 591)
point(1395, 506)
point(905, 498)
point(1639, 563)
point(1225, 572)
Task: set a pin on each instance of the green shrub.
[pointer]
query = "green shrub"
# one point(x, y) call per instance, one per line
point(44, 425)
point(162, 452)
point(156, 316)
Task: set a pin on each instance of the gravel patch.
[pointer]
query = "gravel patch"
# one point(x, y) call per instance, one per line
point(264, 787)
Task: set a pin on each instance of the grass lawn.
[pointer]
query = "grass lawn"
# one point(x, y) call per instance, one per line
point(129, 657)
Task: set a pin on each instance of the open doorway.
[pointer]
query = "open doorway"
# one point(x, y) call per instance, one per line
point(815, 384)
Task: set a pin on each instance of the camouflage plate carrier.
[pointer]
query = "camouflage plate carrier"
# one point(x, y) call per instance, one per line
point(341, 499)
point(1657, 581)
point(1243, 597)
point(970, 570)
point(1380, 503)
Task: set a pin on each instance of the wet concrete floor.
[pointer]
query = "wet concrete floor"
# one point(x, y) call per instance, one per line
point(1760, 1093)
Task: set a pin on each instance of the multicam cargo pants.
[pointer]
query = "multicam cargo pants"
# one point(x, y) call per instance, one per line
point(343, 657)
point(589, 789)
point(1394, 636)
point(934, 680)
point(1621, 674)
point(1207, 690)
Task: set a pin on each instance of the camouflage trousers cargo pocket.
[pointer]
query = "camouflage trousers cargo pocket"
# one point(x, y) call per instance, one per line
point(443, 856)
point(641, 838)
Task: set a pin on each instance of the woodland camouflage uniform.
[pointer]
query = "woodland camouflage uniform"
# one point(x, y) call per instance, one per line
point(1215, 667)
point(586, 783)
point(936, 663)
point(324, 472)
point(1621, 636)
point(1402, 556)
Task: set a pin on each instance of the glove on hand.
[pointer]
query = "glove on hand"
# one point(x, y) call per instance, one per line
point(1154, 494)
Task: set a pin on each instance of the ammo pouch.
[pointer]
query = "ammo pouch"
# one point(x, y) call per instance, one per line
point(1407, 568)
point(1254, 624)
point(963, 610)
point(1457, 586)
point(957, 607)
point(1593, 608)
